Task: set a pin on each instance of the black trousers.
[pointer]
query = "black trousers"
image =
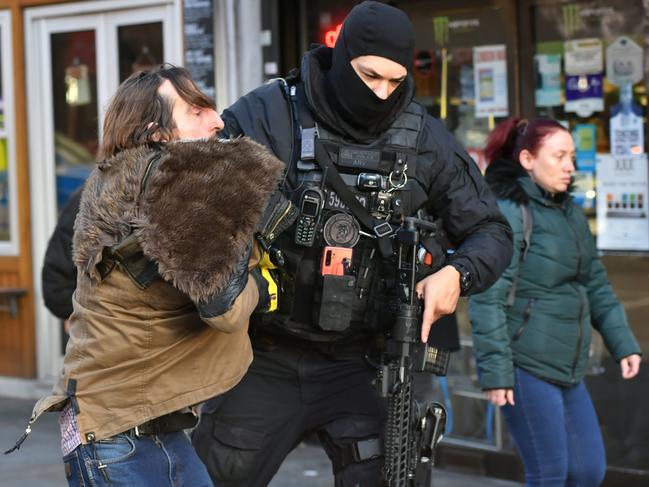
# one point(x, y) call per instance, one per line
point(289, 391)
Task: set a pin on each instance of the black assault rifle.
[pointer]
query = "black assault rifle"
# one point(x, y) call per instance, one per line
point(413, 429)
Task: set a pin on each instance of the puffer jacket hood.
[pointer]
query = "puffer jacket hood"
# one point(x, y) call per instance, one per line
point(502, 176)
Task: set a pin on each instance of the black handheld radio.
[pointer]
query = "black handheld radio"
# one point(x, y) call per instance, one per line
point(311, 202)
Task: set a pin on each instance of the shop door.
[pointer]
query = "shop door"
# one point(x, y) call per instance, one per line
point(77, 54)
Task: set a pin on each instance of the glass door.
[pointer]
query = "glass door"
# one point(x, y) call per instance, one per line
point(77, 55)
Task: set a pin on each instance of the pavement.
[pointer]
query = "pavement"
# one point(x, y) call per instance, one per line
point(38, 462)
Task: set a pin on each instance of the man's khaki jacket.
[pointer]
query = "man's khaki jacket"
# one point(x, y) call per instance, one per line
point(139, 352)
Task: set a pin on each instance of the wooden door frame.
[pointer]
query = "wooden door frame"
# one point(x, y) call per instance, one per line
point(101, 16)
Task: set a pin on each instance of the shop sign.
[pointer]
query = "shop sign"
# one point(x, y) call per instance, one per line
point(622, 189)
point(490, 79)
point(548, 87)
point(198, 16)
point(584, 94)
point(584, 56)
point(624, 62)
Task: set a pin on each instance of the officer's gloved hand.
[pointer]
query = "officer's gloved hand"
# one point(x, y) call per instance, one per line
point(220, 303)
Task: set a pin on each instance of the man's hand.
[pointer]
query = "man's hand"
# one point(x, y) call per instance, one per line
point(630, 366)
point(440, 292)
point(500, 397)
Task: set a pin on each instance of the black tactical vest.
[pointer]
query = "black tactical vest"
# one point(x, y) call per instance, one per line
point(329, 308)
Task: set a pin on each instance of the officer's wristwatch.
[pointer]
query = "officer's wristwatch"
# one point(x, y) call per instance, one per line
point(466, 278)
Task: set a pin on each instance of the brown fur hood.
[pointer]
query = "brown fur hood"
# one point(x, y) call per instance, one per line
point(196, 217)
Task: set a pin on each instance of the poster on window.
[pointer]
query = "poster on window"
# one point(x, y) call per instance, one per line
point(490, 79)
point(548, 80)
point(622, 188)
point(627, 131)
point(585, 94)
point(585, 136)
point(583, 56)
point(624, 62)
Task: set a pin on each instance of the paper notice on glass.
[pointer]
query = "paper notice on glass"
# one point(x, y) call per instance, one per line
point(627, 134)
point(585, 137)
point(584, 56)
point(622, 188)
point(490, 77)
point(585, 94)
point(624, 61)
point(548, 80)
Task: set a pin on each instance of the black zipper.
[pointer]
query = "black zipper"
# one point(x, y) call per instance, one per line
point(579, 337)
point(581, 298)
point(526, 318)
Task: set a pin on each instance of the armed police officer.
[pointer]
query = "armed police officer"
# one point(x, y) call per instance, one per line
point(351, 135)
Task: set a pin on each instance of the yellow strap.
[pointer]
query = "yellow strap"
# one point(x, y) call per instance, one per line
point(272, 288)
point(265, 262)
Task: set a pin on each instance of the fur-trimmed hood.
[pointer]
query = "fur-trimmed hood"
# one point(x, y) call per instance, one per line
point(502, 177)
point(509, 181)
point(195, 218)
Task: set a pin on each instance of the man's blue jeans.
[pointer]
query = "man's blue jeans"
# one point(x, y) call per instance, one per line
point(556, 432)
point(166, 459)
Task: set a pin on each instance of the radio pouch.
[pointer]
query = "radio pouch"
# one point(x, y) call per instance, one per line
point(336, 304)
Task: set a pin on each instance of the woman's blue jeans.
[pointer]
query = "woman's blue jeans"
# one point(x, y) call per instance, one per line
point(556, 432)
point(166, 459)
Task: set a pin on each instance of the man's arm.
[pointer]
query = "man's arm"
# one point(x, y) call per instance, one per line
point(59, 274)
point(264, 116)
point(459, 196)
point(481, 235)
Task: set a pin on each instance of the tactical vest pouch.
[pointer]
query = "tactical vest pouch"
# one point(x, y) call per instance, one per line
point(279, 215)
point(335, 313)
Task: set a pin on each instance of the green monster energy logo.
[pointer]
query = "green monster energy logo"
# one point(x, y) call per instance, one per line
point(440, 28)
point(571, 18)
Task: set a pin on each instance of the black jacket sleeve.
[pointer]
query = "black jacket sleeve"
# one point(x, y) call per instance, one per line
point(263, 115)
point(59, 274)
point(459, 195)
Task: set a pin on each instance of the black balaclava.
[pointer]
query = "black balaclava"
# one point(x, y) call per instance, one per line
point(371, 28)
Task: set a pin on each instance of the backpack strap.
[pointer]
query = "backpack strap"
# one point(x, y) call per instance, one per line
point(528, 223)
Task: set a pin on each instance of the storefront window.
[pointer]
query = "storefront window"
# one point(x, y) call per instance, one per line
point(588, 61)
point(74, 95)
point(8, 205)
point(140, 48)
point(462, 69)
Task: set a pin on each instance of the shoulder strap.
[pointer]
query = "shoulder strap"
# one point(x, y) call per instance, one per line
point(128, 253)
point(528, 223)
point(380, 228)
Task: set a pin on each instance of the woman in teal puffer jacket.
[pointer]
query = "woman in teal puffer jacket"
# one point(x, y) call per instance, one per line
point(532, 329)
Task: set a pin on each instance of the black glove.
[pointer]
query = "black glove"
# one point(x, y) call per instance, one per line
point(220, 303)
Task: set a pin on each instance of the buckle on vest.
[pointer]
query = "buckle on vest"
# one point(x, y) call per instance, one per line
point(383, 230)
